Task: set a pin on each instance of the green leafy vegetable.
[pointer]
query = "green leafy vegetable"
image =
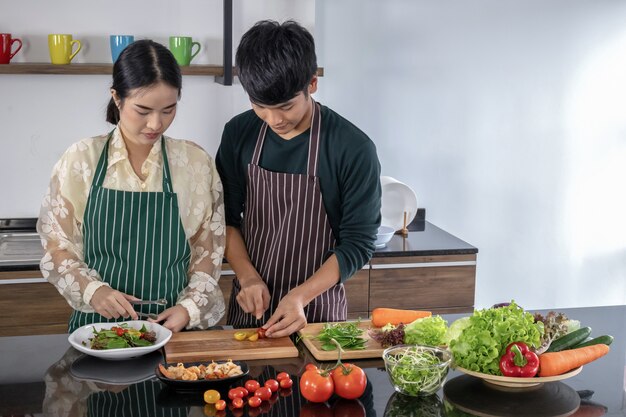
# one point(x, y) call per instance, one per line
point(416, 371)
point(426, 331)
point(121, 336)
point(455, 329)
point(347, 334)
point(481, 344)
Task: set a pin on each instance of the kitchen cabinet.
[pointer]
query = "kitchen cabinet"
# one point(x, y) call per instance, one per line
point(429, 269)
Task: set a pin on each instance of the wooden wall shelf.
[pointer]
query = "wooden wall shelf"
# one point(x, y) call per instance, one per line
point(104, 69)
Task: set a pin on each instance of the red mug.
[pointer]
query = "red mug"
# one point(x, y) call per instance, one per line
point(6, 44)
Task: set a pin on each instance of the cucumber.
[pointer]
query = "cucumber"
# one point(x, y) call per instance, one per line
point(570, 340)
point(606, 339)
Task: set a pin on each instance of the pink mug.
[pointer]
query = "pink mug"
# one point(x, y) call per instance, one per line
point(6, 44)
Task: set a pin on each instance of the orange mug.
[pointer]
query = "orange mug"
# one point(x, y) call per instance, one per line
point(6, 44)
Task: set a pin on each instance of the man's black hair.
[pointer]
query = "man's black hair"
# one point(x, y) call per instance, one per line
point(276, 61)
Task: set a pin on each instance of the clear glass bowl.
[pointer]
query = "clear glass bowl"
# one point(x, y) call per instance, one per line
point(417, 370)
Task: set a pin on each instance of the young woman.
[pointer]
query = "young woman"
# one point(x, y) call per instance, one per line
point(133, 214)
point(302, 189)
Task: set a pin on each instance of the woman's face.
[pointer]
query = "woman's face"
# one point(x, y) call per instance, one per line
point(146, 113)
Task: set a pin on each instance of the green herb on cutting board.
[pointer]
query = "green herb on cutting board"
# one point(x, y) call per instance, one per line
point(348, 335)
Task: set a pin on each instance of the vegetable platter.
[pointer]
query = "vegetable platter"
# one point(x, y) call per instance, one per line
point(371, 348)
point(517, 382)
point(81, 339)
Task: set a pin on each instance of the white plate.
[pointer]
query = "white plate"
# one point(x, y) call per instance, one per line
point(83, 334)
point(516, 382)
point(397, 198)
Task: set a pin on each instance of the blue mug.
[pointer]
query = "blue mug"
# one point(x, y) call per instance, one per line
point(118, 43)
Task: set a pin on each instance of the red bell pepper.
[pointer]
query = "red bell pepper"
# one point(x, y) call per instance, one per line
point(519, 360)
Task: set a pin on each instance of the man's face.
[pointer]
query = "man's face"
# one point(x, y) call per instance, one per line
point(290, 118)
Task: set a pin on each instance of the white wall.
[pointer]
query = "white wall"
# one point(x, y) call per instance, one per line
point(508, 118)
point(41, 115)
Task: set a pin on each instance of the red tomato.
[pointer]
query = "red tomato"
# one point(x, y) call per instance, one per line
point(261, 332)
point(235, 393)
point(220, 405)
point(286, 383)
point(316, 386)
point(282, 375)
point(252, 385)
point(243, 391)
point(254, 402)
point(272, 384)
point(350, 381)
point(237, 402)
point(348, 408)
point(264, 393)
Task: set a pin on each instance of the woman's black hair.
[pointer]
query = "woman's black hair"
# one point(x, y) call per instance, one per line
point(275, 61)
point(141, 64)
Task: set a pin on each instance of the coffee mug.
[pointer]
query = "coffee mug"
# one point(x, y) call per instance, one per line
point(182, 48)
point(118, 43)
point(6, 43)
point(61, 46)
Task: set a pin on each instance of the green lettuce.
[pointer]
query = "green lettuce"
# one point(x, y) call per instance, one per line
point(426, 331)
point(481, 344)
point(455, 329)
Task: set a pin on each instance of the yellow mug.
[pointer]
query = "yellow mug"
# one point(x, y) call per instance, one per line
point(61, 46)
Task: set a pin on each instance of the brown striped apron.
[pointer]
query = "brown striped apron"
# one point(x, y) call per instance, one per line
point(287, 234)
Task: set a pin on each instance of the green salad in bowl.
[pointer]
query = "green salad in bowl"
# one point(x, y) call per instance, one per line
point(417, 370)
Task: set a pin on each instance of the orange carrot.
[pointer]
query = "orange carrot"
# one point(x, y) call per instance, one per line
point(382, 316)
point(557, 363)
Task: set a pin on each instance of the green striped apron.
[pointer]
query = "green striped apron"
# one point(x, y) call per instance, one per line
point(136, 242)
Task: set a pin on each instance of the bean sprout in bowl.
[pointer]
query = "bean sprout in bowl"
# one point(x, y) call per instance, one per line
point(417, 370)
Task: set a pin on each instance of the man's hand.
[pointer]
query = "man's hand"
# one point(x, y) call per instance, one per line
point(111, 303)
point(254, 296)
point(174, 318)
point(288, 317)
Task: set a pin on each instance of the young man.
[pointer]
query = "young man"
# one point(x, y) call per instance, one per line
point(301, 185)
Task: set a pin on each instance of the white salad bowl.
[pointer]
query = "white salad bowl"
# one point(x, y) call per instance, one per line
point(80, 340)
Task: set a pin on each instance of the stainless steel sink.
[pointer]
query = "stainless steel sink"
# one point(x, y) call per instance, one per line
point(20, 248)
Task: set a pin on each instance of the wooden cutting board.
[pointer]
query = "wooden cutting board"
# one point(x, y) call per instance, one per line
point(206, 345)
point(309, 333)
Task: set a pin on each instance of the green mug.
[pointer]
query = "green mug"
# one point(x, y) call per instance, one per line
point(182, 48)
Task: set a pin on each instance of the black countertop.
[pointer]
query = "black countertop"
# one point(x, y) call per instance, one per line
point(424, 239)
point(86, 384)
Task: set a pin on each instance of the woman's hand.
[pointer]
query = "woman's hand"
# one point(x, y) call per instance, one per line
point(288, 317)
point(174, 318)
point(111, 303)
point(254, 297)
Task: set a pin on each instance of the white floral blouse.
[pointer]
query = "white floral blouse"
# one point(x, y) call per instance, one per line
point(200, 199)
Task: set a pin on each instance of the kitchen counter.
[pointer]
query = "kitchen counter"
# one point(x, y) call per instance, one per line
point(28, 359)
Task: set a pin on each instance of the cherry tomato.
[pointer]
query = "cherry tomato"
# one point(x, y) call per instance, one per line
point(348, 408)
point(282, 375)
point(240, 335)
point(220, 405)
point(286, 383)
point(211, 396)
point(264, 393)
point(350, 381)
point(253, 337)
point(235, 393)
point(261, 332)
point(316, 385)
point(119, 331)
point(254, 402)
point(272, 384)
point(243, 391)
point(252, 385)
point(237, 402)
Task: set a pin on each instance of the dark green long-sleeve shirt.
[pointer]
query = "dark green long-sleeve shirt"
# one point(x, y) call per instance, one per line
point(348, 169)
